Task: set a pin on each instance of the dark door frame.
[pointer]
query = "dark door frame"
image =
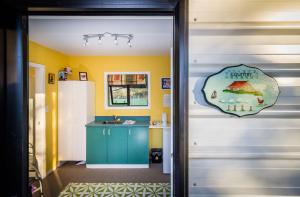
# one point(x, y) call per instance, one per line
point(17, 33)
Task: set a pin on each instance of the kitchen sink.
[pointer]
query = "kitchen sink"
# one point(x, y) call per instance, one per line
point(112, 122)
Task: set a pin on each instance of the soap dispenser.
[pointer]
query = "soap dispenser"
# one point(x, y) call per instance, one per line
point(164, 119)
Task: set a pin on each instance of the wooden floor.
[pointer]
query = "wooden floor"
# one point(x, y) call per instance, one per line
point(55, 182)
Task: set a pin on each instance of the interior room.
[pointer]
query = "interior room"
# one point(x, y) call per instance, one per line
point(234, 87)
point(100, 103)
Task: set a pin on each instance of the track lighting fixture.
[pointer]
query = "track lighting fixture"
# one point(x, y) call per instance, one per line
point(116, 37)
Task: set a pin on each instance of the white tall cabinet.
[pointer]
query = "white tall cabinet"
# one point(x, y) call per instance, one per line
point(76, 107)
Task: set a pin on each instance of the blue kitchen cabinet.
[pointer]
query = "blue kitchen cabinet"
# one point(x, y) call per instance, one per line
point(96, 147)
point(138, 145)
point(117, 145)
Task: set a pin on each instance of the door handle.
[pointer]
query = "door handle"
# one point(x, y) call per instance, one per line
point(129, 131)
point(103, 131)
point(108, 131)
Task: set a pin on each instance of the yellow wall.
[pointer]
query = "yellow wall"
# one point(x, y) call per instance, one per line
point(158, 66)
point(53, 62)
point(95, 66)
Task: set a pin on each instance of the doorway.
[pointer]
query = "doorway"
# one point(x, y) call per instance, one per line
point(116, 67)
point(37, 127)
point(37, 110)
point(15, 98)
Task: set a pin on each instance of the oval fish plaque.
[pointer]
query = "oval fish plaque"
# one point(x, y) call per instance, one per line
point(240, 90)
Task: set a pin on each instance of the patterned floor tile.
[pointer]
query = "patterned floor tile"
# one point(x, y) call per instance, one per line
point(116, 190)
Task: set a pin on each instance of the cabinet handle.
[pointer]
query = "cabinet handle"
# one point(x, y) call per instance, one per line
point(108, 131)
point(129, 132)
point(103, 131)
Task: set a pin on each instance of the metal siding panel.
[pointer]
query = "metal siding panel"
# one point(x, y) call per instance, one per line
point(251, 156)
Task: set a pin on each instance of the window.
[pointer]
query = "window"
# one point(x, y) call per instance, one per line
point(127, 90)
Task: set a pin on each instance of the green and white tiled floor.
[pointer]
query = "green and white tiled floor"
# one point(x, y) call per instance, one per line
point(117, 190)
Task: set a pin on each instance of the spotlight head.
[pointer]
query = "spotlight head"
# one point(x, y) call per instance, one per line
point(116, 40)
point(86, 42)
point(100, 39)
point(129, 43)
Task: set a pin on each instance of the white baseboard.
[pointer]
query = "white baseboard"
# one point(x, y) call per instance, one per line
point(60, 163)
point(117, 165)
point(49, 172)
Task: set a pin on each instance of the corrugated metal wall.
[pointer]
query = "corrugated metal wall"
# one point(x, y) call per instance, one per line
point(255, 155)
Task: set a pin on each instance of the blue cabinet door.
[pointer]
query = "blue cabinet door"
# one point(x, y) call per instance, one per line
point(117, 145)
point(138, 145)
point(96, 145)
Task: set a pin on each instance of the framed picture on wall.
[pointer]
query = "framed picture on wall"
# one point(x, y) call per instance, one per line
point(83, 76)
point(51, 78)
point(165, 83)
point(239, 90)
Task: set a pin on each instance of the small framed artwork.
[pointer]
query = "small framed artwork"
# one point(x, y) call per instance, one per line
point(165, 83)
point(51, 78)
point(83, 76)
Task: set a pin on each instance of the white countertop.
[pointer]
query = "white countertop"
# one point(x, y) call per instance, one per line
point(159, 127)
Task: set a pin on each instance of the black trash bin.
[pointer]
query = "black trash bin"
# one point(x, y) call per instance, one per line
point(156, 155)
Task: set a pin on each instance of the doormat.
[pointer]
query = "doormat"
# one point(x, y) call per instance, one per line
point(117, 190)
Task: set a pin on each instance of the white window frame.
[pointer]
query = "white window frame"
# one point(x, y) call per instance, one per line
point(106, 106)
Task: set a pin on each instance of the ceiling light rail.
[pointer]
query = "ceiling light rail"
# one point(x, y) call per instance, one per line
point(116, 37)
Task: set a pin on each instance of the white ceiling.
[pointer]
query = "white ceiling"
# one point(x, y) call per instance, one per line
point(152, 35)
